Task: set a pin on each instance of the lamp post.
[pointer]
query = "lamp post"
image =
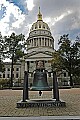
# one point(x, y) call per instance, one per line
point(25, 86)
point(55, 85)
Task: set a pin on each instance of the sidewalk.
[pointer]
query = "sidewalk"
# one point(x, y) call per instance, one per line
point(9, 98)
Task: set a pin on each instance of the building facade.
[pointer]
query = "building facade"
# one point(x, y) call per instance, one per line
point(40, 48)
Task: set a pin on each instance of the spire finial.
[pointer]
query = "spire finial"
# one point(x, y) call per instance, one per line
point(39, 9)
point(39, 15)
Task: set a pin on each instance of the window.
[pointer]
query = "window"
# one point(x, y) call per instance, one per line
point(4, 69)
point(39, 25)
point(17, 69)
point(32, 61)
point(46, 61)
point(35, 26)
point(17, 75)
point(8, 75)
point(8, 69)
point(3, 75)
point(64, 74)
point(13, 75)
point(0, 75)
point(49, 74)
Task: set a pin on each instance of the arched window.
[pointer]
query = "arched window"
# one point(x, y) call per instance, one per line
point(35, 26)
point(39, 25)
point(44, 26)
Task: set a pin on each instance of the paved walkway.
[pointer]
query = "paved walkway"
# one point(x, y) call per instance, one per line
point(9, 98)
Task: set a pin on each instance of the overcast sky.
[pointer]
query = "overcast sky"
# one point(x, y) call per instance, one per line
point(62, 16)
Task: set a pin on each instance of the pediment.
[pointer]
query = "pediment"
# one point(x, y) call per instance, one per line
point(40, 55)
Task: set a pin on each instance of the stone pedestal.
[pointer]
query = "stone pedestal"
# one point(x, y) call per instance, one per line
point(41, 103)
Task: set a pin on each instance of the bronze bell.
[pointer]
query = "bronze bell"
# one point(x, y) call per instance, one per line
point(40, 81)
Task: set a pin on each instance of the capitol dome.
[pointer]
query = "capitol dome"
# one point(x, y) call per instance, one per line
point(40, 36)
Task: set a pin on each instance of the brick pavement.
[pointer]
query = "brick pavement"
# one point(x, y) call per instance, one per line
point(9, 98)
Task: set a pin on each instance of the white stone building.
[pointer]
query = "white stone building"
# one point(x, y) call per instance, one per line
point(40, 48)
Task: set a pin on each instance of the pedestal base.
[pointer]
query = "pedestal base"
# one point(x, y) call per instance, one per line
point(40, 103)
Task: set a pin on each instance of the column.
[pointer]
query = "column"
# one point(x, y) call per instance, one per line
point(33, 42)
point(49, 43)
point(41, 42)
point(25, 65)
point(44, 41)
point(38, 42)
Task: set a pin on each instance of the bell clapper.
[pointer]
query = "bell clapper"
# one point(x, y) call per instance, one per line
point(40, 93)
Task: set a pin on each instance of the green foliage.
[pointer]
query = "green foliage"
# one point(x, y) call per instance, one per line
point(4, 83)
point(1, 52)
point(67, 57)
point(13, 49)
point(57, 61)
point(19, 54)
point(14, 44)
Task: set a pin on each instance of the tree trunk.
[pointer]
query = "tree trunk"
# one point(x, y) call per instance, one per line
point(11, 85)
point(71, 81)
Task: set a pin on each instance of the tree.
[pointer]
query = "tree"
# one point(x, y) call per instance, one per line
point(13, 49)
point(67, 57)
point(76, 73)
point(1, 52)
